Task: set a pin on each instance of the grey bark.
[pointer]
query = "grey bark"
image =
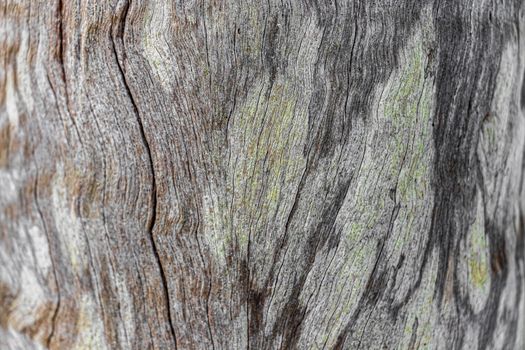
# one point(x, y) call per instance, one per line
point(265, 175)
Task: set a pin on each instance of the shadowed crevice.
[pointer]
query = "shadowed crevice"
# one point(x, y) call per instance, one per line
point(118, 35)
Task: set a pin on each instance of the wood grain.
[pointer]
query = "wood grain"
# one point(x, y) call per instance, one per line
point(268, 175)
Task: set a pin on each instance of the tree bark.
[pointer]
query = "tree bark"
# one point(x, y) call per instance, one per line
point(266, 175)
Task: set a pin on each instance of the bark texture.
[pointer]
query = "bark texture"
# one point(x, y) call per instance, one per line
point(283, 174)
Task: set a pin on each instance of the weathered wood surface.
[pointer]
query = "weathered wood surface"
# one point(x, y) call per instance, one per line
point(266, 175)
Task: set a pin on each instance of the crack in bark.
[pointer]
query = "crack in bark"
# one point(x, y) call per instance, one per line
point(61, 54)
point(54, 315)
point(151, 222)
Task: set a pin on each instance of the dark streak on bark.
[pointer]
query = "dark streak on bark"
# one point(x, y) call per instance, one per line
point(522, 99)
point(453, 131)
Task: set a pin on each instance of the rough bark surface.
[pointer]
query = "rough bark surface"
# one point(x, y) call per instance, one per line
point(284, 174)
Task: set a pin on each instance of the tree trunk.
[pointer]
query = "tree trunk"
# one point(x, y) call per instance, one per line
point(266, 175)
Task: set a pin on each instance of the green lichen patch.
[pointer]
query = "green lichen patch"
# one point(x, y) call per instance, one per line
point(392, 198)
point(266, 134)
point(478, 263)
point(397, 165)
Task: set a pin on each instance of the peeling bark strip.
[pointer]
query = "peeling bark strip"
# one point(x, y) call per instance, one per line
point(274, 175)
